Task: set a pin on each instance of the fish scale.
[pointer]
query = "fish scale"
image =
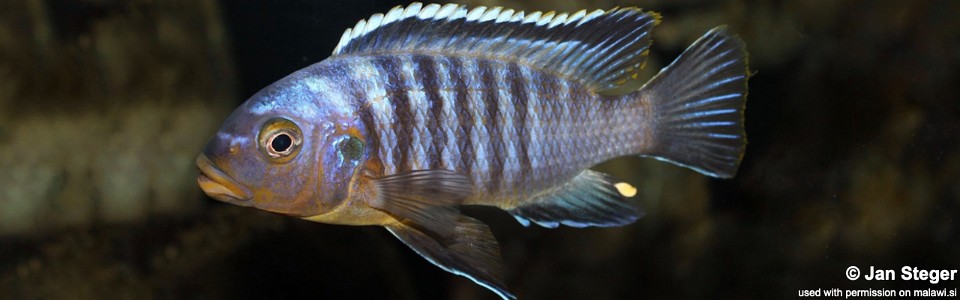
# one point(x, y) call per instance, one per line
point(566, 143)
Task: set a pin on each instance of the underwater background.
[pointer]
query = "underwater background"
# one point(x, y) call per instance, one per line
point(853, 120)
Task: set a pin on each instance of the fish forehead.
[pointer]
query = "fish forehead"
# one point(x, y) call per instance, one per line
point(317, 93)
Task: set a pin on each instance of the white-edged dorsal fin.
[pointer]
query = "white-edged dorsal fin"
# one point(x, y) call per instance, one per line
point(603, 50)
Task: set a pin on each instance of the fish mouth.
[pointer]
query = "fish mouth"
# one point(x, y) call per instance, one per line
point(218, 185)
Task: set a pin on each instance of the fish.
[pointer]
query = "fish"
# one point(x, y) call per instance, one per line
point(428, 108)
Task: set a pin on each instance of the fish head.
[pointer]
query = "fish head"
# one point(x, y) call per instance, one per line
point(293, 148)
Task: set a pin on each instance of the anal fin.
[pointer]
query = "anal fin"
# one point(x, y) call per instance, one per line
point(470, 251)
point(589, 199)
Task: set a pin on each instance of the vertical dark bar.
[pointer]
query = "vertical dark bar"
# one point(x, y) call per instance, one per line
point(490, 92)
point(427, 68)
point(518, 89)
point(463, 114)
point(400, 101)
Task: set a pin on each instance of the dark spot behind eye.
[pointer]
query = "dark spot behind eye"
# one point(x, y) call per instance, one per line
point(352, 148)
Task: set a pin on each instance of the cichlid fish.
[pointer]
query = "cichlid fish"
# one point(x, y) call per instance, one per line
point(430, 107)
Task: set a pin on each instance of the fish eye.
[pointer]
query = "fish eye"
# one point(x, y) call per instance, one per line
point(280, 139)
point(351, 148)
point(281, 142)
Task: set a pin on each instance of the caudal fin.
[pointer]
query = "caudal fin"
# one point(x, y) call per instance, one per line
point(698, 102)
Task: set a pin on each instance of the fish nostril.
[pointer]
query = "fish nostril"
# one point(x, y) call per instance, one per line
point(218, 147)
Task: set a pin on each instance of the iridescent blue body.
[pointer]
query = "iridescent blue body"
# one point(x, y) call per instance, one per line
point(427, 108)
point(514, 130)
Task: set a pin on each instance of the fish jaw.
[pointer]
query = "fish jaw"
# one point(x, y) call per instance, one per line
point(218, 185)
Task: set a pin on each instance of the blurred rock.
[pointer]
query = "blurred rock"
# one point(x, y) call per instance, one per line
point(104, 106)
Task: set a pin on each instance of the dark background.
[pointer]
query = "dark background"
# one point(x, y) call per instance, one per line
point(854, 160)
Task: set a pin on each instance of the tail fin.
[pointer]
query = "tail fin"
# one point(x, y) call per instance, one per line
point(698, 102)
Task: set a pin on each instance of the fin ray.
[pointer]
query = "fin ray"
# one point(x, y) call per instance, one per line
point(428, 199)
point(589, 199)
point(603, 50)
point(699, 102)
point(471, 251)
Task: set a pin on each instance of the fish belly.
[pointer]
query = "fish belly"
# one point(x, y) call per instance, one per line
point(512, 129)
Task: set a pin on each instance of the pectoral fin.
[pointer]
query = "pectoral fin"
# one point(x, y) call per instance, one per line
point(426, 199)
point(470, 251)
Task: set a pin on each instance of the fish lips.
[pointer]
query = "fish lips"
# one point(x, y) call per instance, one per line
point(218, 185)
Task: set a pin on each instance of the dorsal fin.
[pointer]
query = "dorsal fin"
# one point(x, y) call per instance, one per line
point(603, 50)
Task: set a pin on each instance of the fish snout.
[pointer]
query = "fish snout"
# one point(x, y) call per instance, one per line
point(218, 185)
